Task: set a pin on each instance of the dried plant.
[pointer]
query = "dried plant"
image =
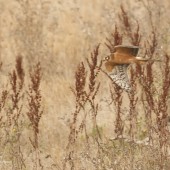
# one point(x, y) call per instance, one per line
point(34, 102)
point(81, 100)
point(116, 97)
point(162, 114)
point(116, 39)
point(3, 100)
point(151, 46)
point(133, 104)
point(133, 35)
point(13, 120)
point(20, 70)
point(84, 96)
point(94, 86)
point(16, 79)
point(35, 110)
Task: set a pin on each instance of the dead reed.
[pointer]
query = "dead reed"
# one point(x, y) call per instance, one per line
point(139, 137)
point(14, 122)
point(129, 138)
point(34, 101)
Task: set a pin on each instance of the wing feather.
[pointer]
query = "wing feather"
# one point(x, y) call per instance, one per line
point(130, 50)
point(120, 77)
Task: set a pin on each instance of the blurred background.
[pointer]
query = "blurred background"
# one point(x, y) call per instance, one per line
point(60, 34)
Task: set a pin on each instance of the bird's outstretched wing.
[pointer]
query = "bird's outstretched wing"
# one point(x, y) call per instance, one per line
point(120, 77)
point(128, 50)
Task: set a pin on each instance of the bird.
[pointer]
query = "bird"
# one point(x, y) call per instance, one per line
point(117, 63)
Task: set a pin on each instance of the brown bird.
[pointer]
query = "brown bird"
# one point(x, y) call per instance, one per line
point(118, 62)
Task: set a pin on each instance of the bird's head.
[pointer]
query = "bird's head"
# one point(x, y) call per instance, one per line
point(107, 58)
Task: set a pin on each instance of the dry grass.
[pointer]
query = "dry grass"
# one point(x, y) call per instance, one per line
point(59, 109)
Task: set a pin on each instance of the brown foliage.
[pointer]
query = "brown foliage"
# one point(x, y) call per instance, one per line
point(34, 102)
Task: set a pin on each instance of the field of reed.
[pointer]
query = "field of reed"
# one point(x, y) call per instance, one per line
point(59, 110)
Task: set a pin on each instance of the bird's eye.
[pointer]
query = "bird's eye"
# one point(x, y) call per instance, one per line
point(107, 58)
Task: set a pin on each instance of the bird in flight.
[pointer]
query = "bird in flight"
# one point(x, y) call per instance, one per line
point(118, 62)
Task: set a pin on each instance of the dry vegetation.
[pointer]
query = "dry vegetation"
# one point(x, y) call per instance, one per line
point(59, 109)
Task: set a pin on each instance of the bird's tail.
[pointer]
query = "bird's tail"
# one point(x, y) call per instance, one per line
point(143, 60)
point(155, 60)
